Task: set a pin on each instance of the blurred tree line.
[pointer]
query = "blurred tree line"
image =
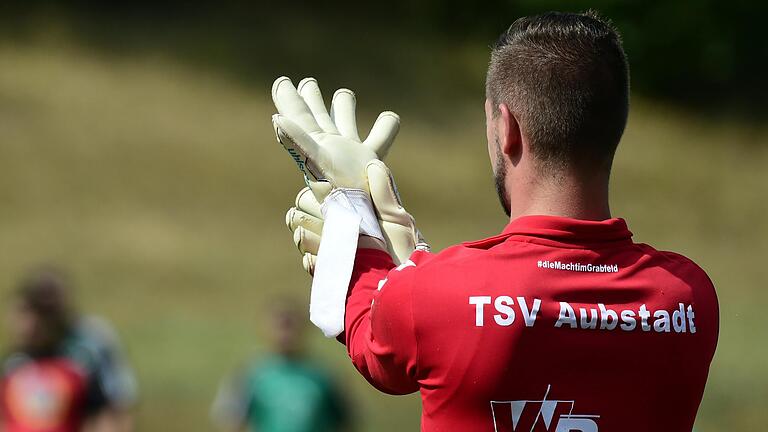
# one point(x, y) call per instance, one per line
point(708, 54)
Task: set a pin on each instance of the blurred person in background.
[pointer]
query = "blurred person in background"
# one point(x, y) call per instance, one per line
point(283, 392)
point(65, 372)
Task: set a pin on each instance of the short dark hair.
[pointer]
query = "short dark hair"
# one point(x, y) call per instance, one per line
point(45, 292)
point(565, 78)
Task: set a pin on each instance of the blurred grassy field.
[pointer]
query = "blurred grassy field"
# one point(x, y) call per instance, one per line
point(163, 190)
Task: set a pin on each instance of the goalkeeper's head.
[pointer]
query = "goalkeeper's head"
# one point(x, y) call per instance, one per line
point(557, 98)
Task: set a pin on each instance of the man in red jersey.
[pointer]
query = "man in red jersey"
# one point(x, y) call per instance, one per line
point(561, 322)
point(65, 372)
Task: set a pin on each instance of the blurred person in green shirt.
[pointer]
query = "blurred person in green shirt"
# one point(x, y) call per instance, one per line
point(282, 392)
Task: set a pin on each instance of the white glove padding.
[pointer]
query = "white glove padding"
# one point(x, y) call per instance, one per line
point(305, 220)
point(326, 147)
point(398, 226)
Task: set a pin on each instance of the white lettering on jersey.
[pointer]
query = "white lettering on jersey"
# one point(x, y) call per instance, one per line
point(479, 302)
point(505, 308)
point(529, 316)
point(505, 313)
point(679, 321)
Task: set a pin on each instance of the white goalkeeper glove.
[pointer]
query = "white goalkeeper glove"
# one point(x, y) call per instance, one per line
point(305, 220)
point(334, 161)
point(326, 147)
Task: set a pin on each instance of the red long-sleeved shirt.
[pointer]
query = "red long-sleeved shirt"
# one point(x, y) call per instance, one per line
point(554, 325)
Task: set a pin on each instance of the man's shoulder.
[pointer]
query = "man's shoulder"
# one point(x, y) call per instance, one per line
point(434, 273)
point(88, 341)
point(675, 263)
point(459, 255)
point(676, 271)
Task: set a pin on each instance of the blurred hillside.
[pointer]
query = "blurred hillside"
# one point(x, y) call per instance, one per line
point(162, 188)
point(707, 55)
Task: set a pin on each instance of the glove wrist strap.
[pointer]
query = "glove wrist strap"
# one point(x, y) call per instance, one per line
point(358, 201)
point(347, 213)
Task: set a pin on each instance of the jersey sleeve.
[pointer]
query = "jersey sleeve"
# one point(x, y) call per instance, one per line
point(379, 324)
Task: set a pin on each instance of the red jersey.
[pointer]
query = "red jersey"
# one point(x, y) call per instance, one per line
point(83, 376)
point(554, 325)
point(46, 395)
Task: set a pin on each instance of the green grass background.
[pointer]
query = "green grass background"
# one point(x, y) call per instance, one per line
point(162, 189)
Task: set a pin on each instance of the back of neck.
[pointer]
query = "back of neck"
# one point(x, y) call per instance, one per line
point(566, 196)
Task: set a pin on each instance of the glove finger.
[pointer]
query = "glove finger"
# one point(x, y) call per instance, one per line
point(302, 148)
point(290, 104)
point(401, 241)
point(306, 241)
point(296, 218)
point(343, 113)
point(309, 262)
point(384, 194)
point(306, 202)
point(310, 92)
point(383, 133)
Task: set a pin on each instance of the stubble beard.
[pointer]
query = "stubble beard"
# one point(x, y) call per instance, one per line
point(500, 180)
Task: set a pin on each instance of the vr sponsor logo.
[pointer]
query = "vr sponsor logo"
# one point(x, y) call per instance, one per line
point(541, 415)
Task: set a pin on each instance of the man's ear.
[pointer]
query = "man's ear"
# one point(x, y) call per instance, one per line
point(510, 137)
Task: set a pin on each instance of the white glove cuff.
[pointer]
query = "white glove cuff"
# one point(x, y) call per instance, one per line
point(358, 201)
point(347, 213)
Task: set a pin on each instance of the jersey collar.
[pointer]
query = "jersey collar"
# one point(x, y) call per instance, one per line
point(569, 229)
point(556, 231)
